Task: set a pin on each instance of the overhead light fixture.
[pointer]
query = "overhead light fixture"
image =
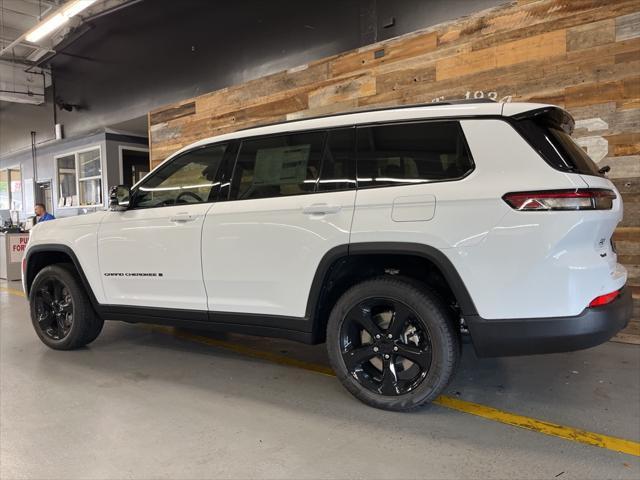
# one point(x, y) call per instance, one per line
point(58, 19)
point(75, 7)
point(37, 54)
point(46, 27)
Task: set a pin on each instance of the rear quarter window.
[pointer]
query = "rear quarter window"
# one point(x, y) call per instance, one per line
point(408, 153)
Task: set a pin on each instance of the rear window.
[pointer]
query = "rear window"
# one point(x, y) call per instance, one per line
point(557, 147)
point(411, 153)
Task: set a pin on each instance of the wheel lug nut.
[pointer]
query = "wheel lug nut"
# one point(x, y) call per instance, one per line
point(395, 349)
point(386, 355)
point(375, 349)
point(389, 336)
point(378, 336)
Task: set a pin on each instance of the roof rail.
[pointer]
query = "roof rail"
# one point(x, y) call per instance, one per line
point(466, 100)
point(378, 109)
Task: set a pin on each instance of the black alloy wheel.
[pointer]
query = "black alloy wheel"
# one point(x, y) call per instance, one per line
point(54, 308)
point(393, 343)
point(61, 312)
point(384, 347)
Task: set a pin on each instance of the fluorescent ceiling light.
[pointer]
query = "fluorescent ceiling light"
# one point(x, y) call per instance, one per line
point(46, 27)
point(73, 8)
point(55, 21)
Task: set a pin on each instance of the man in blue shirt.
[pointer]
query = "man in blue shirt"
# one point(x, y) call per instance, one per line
point(41, 213)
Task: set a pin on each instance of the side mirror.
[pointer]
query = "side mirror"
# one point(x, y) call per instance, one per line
point(119, 198)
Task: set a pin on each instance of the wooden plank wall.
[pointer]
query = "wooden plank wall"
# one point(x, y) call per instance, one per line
point(583, 55)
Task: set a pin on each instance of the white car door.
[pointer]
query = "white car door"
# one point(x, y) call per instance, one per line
point(291, 201)
point(150, 254)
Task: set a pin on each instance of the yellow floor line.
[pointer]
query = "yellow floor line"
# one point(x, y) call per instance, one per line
point(13, 291)
point(490, 413)
point(568, 433)
point(541, 426)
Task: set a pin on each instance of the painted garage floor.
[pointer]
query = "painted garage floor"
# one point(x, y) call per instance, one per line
point(143, 402)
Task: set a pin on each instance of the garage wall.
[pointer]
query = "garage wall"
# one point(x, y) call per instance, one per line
point(161, 51)
point(109, 144)
point(582, 55)
point(18, 120)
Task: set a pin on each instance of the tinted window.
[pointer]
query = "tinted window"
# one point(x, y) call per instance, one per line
point(557, 147)
point(278, 166)
point(411, 153)
point(189, 178)
point(338, 163)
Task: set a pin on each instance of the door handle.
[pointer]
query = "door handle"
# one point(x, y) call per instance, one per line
point(183, 218)
point(321, 209)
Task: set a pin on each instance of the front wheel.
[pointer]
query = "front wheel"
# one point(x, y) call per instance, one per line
point(61, 313)
point(392, 344)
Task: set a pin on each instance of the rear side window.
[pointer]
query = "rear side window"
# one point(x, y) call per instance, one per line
point(557, 147)
point(278, 166)
point(411, 153)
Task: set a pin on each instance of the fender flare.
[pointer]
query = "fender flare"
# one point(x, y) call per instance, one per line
point(55, 247)
point(435, 256)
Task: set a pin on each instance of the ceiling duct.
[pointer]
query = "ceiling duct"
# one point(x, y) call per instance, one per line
point(22, 86)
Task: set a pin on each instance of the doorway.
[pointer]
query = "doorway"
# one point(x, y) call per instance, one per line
point(44, 194)
point(135, 164)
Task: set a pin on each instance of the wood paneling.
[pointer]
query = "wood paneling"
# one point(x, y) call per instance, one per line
point(583, 55)
point(172, 113)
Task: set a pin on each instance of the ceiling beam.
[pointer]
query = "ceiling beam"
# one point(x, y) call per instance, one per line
point(50, 3)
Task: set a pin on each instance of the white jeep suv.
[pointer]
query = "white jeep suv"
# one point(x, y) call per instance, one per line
point(388, 234)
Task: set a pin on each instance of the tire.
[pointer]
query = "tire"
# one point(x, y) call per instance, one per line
point(50, 317)
point(434, 358)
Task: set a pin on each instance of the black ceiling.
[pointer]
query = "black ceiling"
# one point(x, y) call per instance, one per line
point(153, 52)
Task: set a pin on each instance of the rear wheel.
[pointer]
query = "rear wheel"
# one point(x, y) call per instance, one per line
point(392, 344)
point(61, 313)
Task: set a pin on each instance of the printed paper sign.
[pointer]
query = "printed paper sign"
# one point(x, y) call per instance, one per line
point(17, 245)
point(281, 166)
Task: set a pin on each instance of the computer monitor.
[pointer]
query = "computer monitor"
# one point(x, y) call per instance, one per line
point(5, 217)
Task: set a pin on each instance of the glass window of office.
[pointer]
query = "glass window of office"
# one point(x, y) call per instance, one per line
point(4, 190)
point(11, 189)
point(79, 178)
point(90, 177)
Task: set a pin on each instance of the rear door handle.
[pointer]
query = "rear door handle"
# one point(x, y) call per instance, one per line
point(183, 218)
point(321, 209)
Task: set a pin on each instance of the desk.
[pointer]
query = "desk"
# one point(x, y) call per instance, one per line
point(12, 247)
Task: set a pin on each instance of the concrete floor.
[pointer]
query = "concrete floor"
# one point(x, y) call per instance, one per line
point(139, 403)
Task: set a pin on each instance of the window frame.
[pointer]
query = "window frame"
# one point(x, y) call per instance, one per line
point(456, 120)
point(75, 154)
point(169, 161)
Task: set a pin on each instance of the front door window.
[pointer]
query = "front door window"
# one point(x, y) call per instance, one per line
point(187, 179)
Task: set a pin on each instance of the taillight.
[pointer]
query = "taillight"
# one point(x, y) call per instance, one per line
point(577, 199)
point(604, 299)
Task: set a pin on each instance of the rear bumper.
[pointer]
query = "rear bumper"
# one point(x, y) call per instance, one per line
point(526, 336)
